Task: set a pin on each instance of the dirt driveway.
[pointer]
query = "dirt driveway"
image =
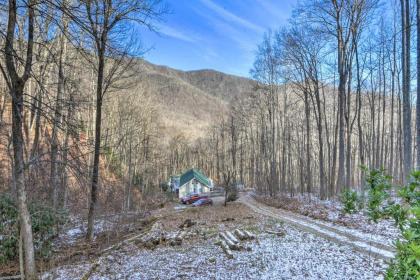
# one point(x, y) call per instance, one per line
point(362, 242)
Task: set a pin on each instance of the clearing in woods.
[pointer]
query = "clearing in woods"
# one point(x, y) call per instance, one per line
point(285, 248)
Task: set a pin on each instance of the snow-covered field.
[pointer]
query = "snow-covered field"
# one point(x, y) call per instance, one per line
point(297, 255)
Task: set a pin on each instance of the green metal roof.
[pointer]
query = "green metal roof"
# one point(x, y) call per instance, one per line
point(194, 173)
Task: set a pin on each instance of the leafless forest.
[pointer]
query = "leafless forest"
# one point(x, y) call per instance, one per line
point(88, 127)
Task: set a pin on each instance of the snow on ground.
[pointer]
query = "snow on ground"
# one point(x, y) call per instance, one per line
point(384, 231)
point(76, 231)
point(330, 211)
point(362, 241)
point(298, 255)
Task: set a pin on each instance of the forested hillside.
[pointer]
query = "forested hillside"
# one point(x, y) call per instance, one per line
point(160, 105)
point(190, 101)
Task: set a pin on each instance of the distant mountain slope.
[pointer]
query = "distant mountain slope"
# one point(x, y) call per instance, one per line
point(190, 101)
point(221, 85)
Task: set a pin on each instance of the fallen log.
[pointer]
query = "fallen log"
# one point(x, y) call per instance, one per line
point(178, 239)
point(232, 245)
point(181, 235)
point(175, 242)
point(278, 233)
point(232, 237)
point(249, 234)
point(187, 223)
point(226, 249)
point(133, 238)
point(240, 234)
point(11, 277)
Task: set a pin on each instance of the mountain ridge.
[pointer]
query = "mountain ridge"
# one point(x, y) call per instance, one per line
point(190, 101)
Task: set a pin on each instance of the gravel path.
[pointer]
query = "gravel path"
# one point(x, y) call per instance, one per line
point(362, 242)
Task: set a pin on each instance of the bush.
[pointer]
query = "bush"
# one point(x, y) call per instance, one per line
point(45, 222)
point(398, 213)
point(8, 229)
point(378, 183)
point(406, 264)
point(231, 193)
point(349, 199)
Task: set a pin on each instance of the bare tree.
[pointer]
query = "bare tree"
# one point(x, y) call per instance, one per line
point(406, 80)
point(16, 84)
point(301, 56)
point(105, 22)
point(62, 52)
point(418, 88)
point(266, 71)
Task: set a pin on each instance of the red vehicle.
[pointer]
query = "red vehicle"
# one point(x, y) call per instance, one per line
point(190, 198)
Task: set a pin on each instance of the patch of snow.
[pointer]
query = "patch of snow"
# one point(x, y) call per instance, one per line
point(76, 230)
point(351, 237)
point(298, 255)
point(329, 213)
point(180, 207)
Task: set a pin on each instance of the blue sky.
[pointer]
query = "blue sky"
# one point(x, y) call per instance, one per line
point(213, 34)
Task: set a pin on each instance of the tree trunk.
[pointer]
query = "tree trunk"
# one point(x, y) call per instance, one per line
point(97, 149)
point(308, 144)
point(19, 180)
point(65, 150)
point(341, 102)
point(418, 90)
point(55, 177)
point(16, 87)
point(405, 13)
point(359, 121)
point(322, 182)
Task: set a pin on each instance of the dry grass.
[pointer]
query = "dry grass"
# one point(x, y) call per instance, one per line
point(229, 217)
point(313, 210)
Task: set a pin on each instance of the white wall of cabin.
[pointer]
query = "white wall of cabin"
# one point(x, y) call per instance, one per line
point(188, 188)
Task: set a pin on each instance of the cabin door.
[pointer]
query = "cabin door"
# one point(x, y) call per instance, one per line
point(195, 187)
